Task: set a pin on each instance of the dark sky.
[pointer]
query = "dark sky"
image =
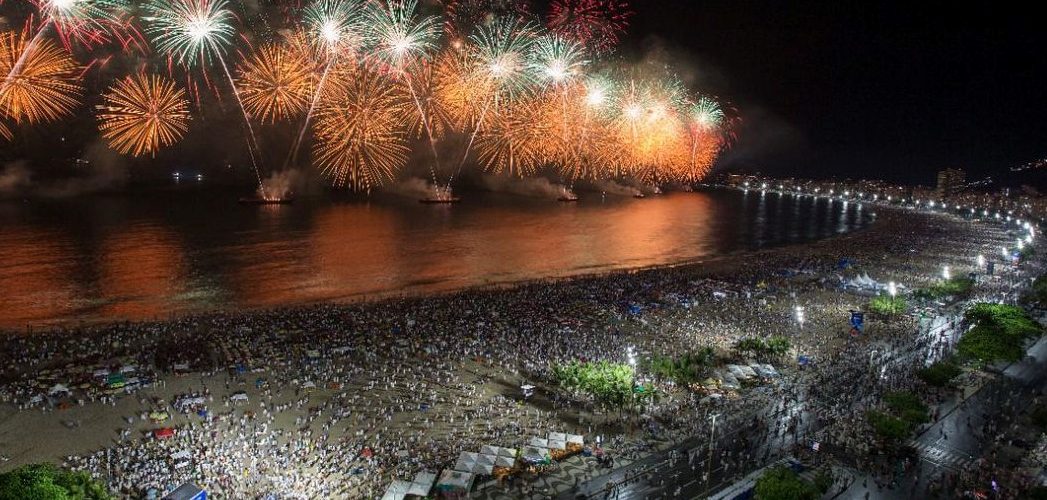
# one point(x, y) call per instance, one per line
point(876, 89)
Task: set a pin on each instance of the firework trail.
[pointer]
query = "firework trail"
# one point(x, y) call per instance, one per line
point(195, 32)
point(372, 78)
point(402, 40)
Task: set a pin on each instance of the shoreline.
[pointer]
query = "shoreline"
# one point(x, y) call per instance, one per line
point(364, 298)
point(437, 375)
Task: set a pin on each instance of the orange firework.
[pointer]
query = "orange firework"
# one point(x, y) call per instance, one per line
point(142, 113)
point(461, 90)
point(40, 83)
point(512, 141)
point(360, 139)
point(276, 83)
point(427, 109)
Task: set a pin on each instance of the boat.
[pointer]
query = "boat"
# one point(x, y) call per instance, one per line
point(567, 198)
point(441, 199)
point(257, 200)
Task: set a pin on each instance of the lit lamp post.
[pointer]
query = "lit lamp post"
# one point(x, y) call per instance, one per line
point(712, 435)
point(632, 364)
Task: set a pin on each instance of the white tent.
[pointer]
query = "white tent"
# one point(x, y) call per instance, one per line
point(455, 480)
point(538, 442)
point(466, 461)
point(58, 389)
point(423, 482)
point(576, 439)
point(534, 454)
point(738, 372)
point(505, 461)
point(240, 396)
point(507, 452)
point(557, 436)
point(397, 491)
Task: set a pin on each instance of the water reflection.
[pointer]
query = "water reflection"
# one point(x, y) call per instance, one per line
point(151, 256)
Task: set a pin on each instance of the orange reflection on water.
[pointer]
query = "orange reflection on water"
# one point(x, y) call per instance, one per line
point(35, 276)
point(141, 272)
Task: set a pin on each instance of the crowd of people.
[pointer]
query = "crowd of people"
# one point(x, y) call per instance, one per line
point(336, 400)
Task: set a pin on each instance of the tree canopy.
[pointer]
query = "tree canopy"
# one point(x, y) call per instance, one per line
point(999, 333)
point(781, 483)
point(48, 482)
point(887, 305)
point(608, 383)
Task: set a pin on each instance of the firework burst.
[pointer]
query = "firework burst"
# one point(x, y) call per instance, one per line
point(42, 82)
point(360, 140)
point(596, 24)
point(276, 83)
point(190, 32)
point(465, 16)
point(142, 114)
point(337, 26)
point(400, 35)
point(89, 22)
point(501, 54)
point(558, 61)
point(513, 141)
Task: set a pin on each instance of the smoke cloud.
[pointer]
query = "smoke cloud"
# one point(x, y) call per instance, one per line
point(14, 177)
point(538, 187)
point(414, 187)
point(280, 184)
point(611, 187)
point(105, 170)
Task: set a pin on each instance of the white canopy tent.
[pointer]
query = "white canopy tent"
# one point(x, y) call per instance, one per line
point(397, 490)
point(455, 480)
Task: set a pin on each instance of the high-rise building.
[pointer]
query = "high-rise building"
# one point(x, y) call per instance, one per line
point(950, 182)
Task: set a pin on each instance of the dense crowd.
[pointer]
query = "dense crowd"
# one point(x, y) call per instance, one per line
point(336, 400)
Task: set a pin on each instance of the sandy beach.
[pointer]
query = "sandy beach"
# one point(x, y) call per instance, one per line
point(335, 401)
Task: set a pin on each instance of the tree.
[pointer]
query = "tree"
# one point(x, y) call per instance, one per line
point(48, 482)
point(1038, 294)
point(953, 287)
point(781, 483)
point(890, 429)
point(752, 345)
point(685, 369)
point(778, 345)
point(887, 305)
point(609, 384)
point(939, 374)
point(999, 333)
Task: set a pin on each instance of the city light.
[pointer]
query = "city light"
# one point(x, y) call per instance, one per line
point(981, 260)
point(945, 272)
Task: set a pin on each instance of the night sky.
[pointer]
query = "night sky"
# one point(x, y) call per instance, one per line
point(875, 89)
